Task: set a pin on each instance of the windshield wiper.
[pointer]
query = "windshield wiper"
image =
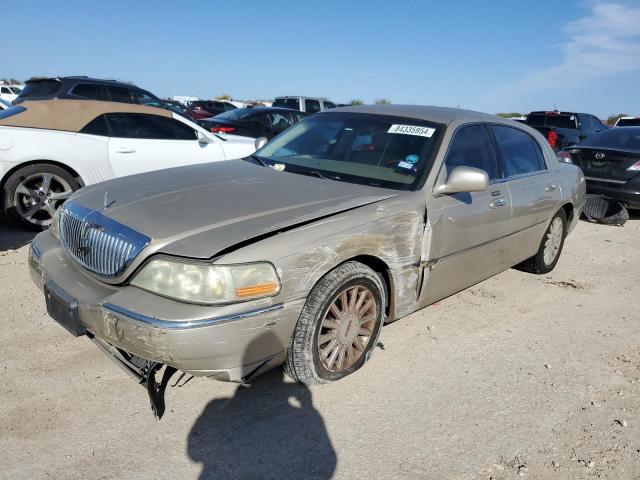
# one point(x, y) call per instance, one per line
point(325, 177)
point(259, 160)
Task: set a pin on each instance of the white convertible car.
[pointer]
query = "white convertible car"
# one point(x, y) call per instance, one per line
point(49, 149)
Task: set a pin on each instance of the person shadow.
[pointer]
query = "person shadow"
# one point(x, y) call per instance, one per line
point(268, 429)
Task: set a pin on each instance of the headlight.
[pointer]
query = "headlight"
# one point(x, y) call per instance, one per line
point(208, 284)
point(54, 228)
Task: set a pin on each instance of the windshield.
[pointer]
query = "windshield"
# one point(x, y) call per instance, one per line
point(619, 138)
point(552, 120)
point(236, 114)
point(383, 151)
point(628, 122)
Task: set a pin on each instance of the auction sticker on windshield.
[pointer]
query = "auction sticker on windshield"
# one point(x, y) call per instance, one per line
point(412, 130)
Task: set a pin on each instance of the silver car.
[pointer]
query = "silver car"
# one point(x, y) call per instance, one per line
point(299, 254)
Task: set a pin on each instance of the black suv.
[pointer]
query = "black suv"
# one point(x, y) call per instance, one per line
point(79, 88)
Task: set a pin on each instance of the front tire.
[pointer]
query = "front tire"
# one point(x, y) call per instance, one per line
point(550, 247)
point(339, 325)
point(33, 193)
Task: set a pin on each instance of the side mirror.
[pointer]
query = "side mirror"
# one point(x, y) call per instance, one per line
point(261, 142)
point(203, 139)
point(464, 179)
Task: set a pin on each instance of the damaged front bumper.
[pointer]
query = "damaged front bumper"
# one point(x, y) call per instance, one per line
point(142, 332)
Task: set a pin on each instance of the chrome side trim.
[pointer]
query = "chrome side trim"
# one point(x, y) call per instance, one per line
point(606, 180)
point(187, 324)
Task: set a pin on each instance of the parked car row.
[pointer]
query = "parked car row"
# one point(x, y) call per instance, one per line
point(50, 148)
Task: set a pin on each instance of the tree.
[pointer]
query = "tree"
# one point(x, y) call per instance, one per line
point(357, 101)
point(510, 115)
point(382, 101)
point(611, 119)
point(224, 96)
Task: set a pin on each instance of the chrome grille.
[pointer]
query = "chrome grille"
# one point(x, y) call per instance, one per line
point(97, 242)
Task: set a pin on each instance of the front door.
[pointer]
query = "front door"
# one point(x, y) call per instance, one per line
point(143, 143)
point(466, 237)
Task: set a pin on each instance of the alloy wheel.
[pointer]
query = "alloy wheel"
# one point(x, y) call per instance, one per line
point(347, 328)
point(38, 196)
point(553, 241)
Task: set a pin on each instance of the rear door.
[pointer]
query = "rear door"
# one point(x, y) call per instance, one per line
point(467, 231)
point(534, 189)
point(143, 142)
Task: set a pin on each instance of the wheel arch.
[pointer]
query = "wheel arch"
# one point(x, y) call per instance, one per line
point(568, 212)
point(379, 266)
point(64, 166)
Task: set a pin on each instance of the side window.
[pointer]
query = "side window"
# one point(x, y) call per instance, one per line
point(263, 119)
point(4, 90)
point(596, 124)
point(229, 106)
point(472, 147)
point(279, 121)
point(136, 125)
point(89, 90)
point(120, 94)
point(311, 106)
point(97, 126)
point(519, 151)
point(142, 97)
point(328, 104)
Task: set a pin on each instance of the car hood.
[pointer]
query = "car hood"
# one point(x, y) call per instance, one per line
point(198, 211)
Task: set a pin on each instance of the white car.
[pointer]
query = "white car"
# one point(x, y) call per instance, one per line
point(9, 92)
point(50, 148)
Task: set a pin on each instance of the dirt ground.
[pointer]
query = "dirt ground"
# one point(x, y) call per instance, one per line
point(520, 376)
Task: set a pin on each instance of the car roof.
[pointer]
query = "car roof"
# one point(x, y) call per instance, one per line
point(443, 115)
point(82, 78)
point(71, 115)
point(270, 109)
point(302, 97)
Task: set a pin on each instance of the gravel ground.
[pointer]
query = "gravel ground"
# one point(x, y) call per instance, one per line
point(519, 376)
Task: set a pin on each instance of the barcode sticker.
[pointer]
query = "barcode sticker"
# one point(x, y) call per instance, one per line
point(412, 130)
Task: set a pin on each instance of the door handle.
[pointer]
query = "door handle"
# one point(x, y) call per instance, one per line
point(499, 202)
point(550, 188)
point(126, 150)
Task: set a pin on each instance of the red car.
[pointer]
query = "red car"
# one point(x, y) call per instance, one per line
point(200, 109)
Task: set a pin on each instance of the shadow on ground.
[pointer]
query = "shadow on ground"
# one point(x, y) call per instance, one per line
point(13, 237)
point(268, 429)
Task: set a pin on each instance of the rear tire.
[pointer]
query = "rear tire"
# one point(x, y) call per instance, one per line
point(32, 194)
point(339, 325)
point(550, 247)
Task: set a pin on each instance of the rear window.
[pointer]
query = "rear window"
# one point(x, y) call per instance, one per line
point(628, 122)
point(40, 88)
point(236, 114)
point(619, 138)
point(10, 112)
point(292, 103)
point(552, 120)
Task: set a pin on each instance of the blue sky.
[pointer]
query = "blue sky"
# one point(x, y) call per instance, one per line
point(490, 56)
